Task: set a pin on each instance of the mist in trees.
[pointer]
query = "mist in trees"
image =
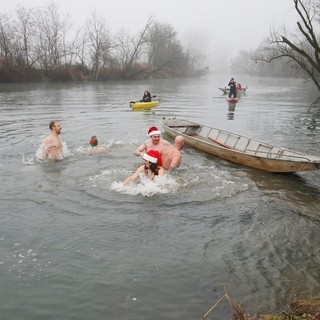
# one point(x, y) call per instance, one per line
point(288, 54)
point(39, 44)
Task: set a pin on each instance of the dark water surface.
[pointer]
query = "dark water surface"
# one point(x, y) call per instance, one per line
point(76, 244)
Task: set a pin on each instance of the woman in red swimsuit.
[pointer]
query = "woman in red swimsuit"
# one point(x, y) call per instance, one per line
point(151, 167)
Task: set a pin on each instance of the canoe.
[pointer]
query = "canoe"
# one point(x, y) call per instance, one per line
point(144, 105)
point(240, 149)
point(227, 90)
point(224, 90)
point(234, 100)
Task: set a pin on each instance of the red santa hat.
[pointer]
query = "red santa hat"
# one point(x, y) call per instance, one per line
point(94, 141)
point(153, 156)
point(153, 130)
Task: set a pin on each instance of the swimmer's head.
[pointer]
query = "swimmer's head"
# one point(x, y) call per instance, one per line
point(153, 131)
point(94, 141)
point(153, 156)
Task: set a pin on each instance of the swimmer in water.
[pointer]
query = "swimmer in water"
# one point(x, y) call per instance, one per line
point(94, 146)
point(171, 156)
point(151, 167)
point(52, 144)
point(154, 143)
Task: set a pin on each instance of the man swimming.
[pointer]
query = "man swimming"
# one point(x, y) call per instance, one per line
point(154, 143)
point(52, 144)
point(171, 156)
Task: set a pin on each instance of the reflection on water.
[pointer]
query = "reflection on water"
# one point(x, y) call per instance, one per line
point(293, 190)
point(231, 109)
point(75, 241)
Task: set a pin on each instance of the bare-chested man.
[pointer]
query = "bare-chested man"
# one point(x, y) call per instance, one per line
point(154, 143)
point(171, 156)
point(52, 144)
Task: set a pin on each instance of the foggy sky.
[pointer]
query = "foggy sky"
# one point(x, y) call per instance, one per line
point(218, 27)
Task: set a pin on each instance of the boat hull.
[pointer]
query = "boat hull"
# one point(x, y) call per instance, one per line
point(227, 90)
point(224, 90)
point(144, 105)
point(232, 100)
point(227, 145)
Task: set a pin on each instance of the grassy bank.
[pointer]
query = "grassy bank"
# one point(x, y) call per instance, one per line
point(299, 309)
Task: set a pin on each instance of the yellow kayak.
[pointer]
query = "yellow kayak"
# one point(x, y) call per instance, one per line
point(144, 105)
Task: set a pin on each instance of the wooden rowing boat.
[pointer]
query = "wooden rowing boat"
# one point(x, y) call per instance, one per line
point(144, 105)
point(240, 149)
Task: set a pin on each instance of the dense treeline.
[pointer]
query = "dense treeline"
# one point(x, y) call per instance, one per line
point(38, 44)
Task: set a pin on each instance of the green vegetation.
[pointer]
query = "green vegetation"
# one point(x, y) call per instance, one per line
point(300, 309)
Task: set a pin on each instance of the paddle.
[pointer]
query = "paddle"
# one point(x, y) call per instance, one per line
point(154, 96)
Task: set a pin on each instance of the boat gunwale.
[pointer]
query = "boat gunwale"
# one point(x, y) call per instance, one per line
point(141, 104)
point(305, 159)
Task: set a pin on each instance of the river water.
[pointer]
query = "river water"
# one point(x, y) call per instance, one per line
point(76, 244)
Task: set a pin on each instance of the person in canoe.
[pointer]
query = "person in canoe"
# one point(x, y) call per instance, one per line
point(151, 167)
point(171, 156)
point(154, 143)
point(233, 88)
point(146, 97)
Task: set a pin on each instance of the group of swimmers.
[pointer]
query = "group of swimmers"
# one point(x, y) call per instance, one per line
point(158, 154)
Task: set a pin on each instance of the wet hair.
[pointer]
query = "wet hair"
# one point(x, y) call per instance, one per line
point(52, 123)
point(153, 167)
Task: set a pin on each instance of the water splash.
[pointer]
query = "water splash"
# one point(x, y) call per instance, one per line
point(64, 154)
point(28, 161)
point(148, 188)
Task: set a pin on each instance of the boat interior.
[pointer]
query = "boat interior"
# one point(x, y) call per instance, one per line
point(235, 142)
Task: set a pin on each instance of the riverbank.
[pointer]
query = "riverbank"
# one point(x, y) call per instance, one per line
point(299, 309)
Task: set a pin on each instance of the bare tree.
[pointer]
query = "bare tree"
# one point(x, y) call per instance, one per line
point(51, 36)
point(195, 62)
point(25, 29)
point(123, 48)
point(301, 50)
point(6, 40)
point(130, 49)
point(35, 45)
point(243, 64)
point(76, 49)
point(99, 43)
point(164, 48)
